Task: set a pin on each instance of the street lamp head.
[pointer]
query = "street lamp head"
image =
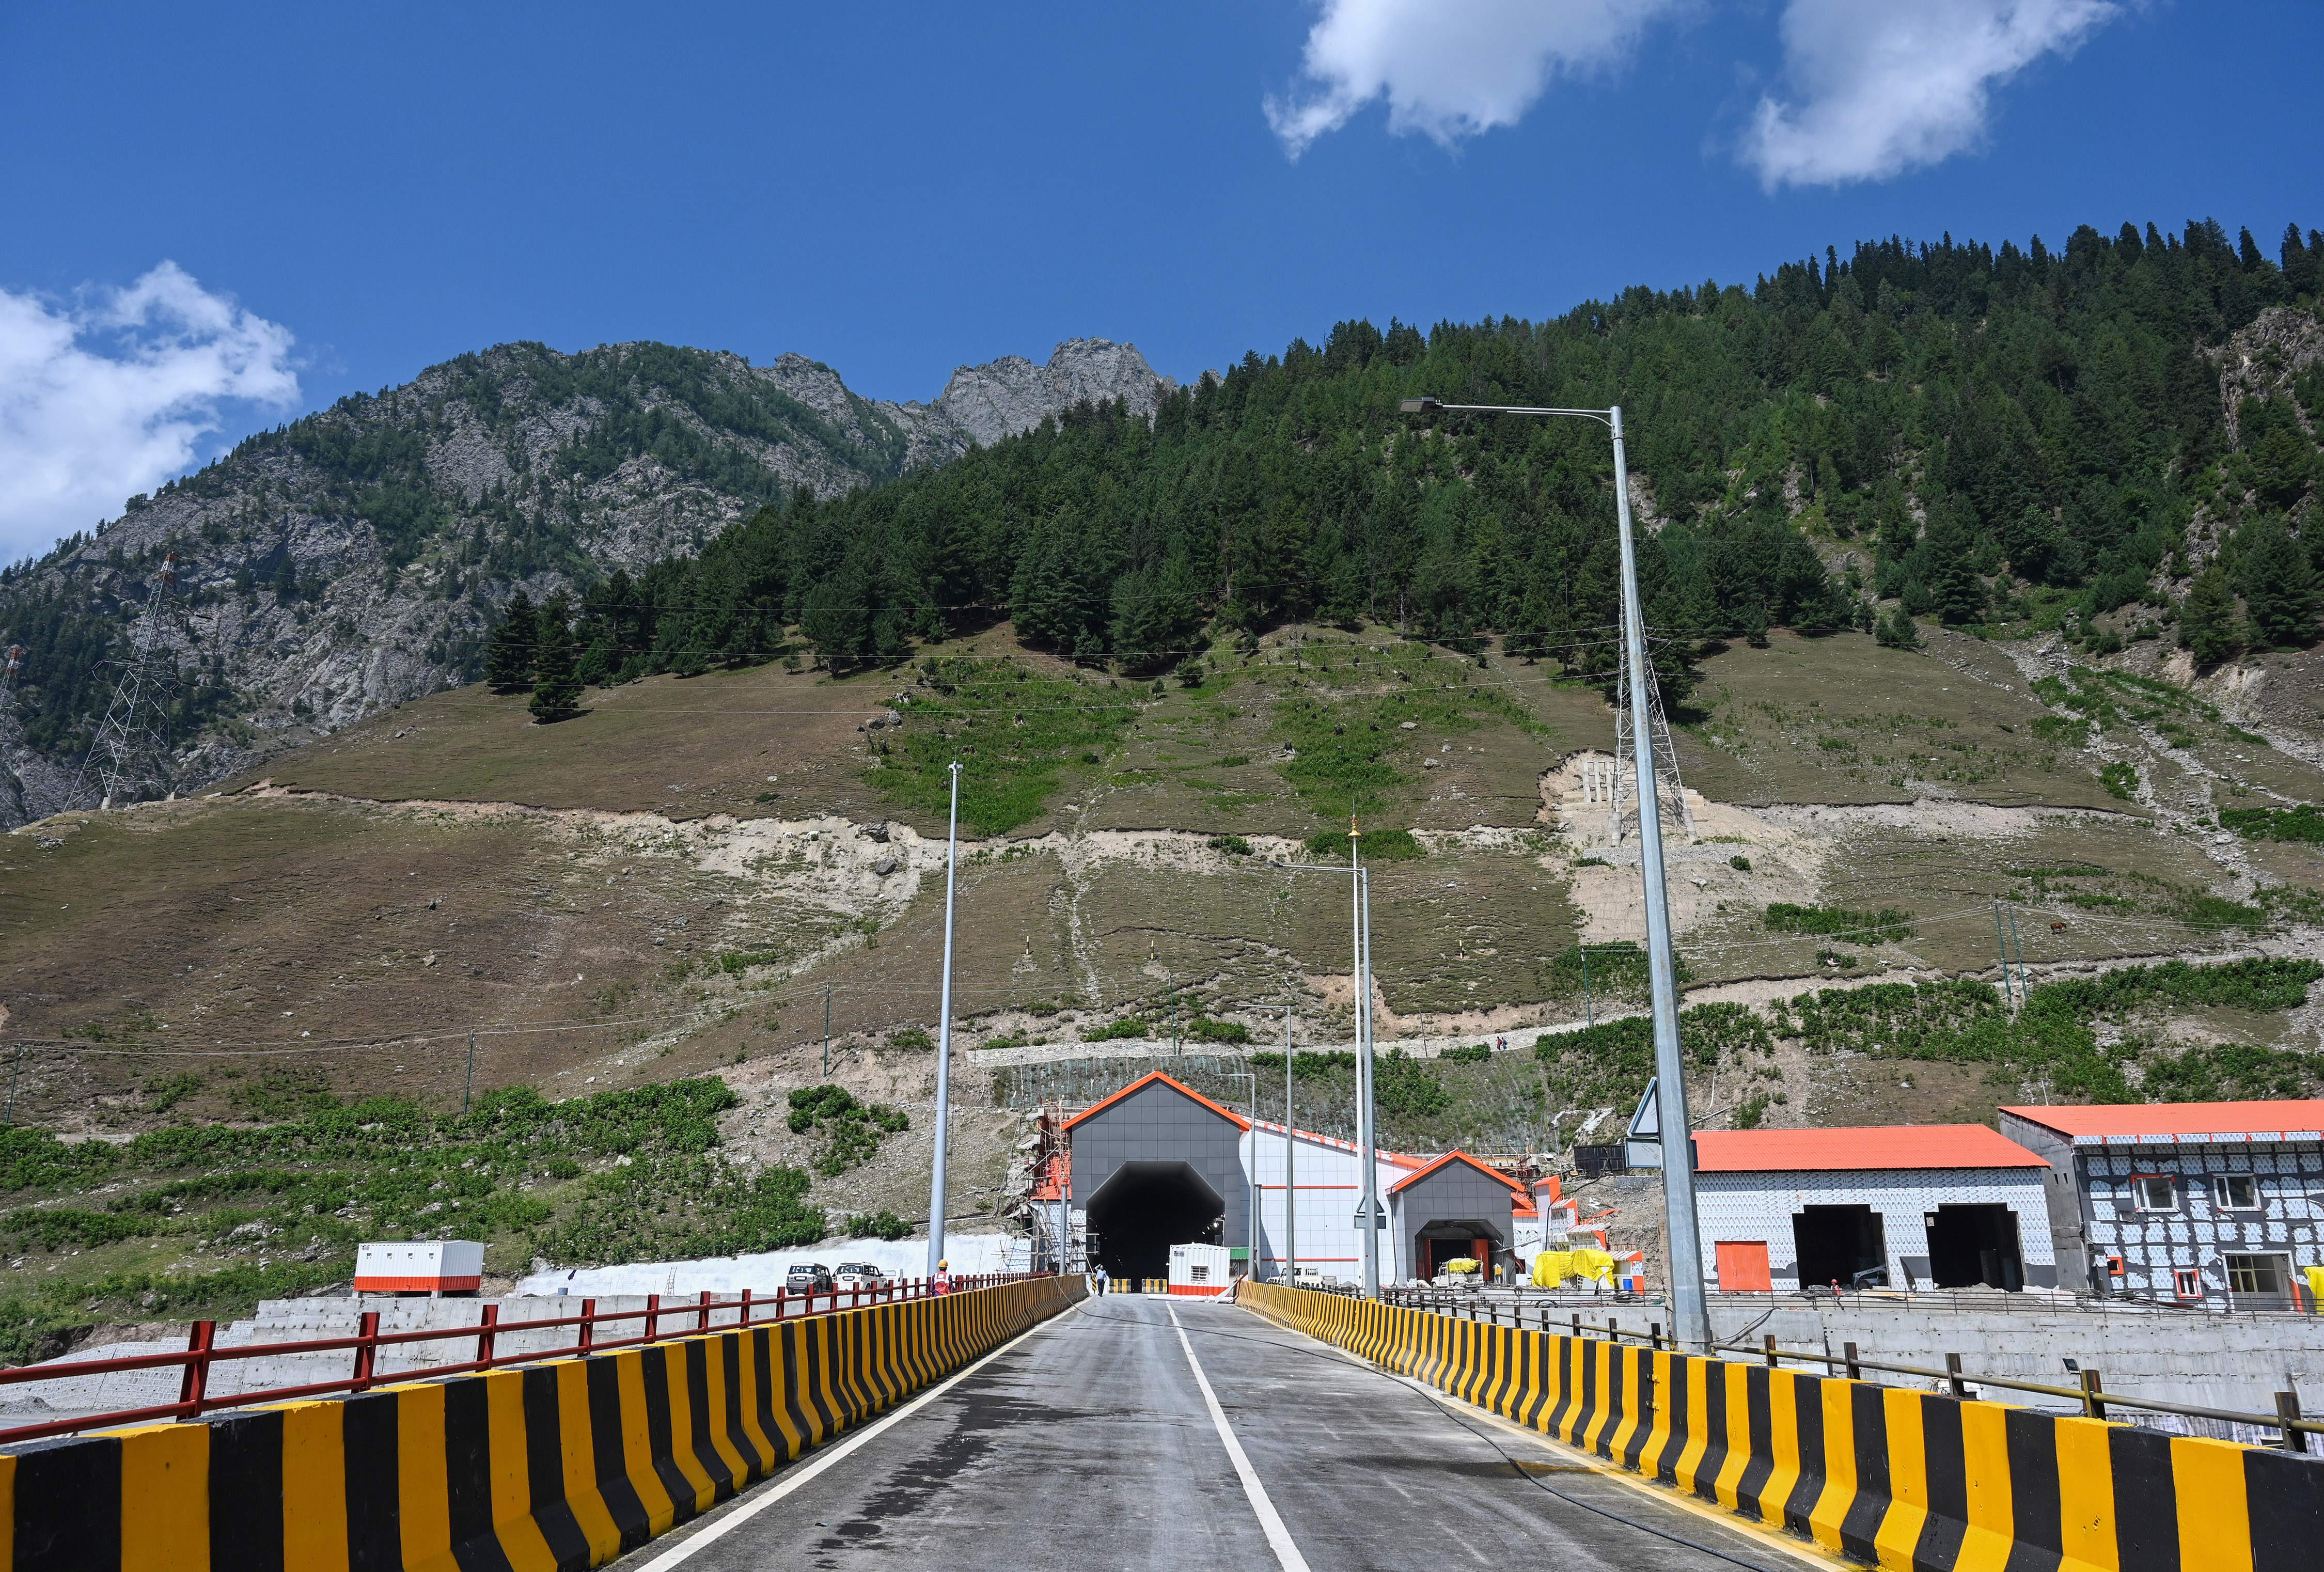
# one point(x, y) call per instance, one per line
point(1423, 407)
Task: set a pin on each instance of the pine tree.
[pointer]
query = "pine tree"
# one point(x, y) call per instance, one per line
point(1898, 632)
point(509, 659)
point(2208, 629)
point(286, 581)
point(2279, 585)
point(1956, 594)
point(555, 691)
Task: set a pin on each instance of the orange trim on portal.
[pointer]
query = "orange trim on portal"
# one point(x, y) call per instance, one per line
point(1236, 1119)
point(1457, 1157)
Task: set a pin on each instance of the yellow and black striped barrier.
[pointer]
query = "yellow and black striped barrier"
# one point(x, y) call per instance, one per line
point(566, 1464)
point(1911, 1481)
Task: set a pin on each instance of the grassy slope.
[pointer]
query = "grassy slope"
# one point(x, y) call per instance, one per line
point(132, 935)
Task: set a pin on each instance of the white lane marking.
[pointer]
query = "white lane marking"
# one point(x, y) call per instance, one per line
point(802, 1474)
point(1278, 1538)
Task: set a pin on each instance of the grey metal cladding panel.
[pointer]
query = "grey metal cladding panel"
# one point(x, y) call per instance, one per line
point(1456, 1190)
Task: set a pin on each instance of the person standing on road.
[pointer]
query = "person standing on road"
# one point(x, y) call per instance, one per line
point(1100, 1281)
point(942, 1282)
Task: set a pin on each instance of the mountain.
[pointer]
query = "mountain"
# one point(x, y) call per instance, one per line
point(357, 558)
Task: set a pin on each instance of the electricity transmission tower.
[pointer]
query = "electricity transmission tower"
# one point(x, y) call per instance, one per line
point(1669, 789)
point(130, 753)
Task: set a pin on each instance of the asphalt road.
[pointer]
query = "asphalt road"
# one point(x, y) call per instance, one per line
point(1089, 1444)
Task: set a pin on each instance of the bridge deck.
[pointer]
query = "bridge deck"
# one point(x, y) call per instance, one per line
point(1088, 1444)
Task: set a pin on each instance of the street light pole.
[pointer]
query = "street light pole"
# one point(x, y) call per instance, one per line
point(944, 1040)
point(1690, 1310)
point(1367, 1131)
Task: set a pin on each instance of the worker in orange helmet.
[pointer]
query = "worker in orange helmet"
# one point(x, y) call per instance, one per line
point(942, 1282)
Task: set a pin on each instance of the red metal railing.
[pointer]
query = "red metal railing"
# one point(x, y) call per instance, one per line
point(675, 1319)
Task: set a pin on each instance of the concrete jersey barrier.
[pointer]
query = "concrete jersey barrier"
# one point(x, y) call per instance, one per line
point(561, 1464)
point(1911, 1481)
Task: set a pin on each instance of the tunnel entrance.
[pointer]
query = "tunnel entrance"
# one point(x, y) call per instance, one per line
point(1975, 1245)
point(1841, 1244)
point(1145, 1208)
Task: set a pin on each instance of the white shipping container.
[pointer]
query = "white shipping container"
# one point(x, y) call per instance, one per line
point(1200, 1269)
point(420, 1266)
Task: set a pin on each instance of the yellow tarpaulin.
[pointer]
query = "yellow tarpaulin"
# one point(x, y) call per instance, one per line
point(2316, 1285)
point(1552, 1267)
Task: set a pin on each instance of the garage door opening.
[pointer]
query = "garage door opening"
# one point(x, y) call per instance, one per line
point(1144, 1208)
point(1446, 1240)
point(1972, 1247)
point(1844, 1245)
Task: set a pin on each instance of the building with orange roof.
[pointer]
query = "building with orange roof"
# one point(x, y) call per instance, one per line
point(1902, 1206)
point(1158, 1165)
point(2201, 1204)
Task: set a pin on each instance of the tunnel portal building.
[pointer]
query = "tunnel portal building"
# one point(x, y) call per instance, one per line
point(1158, 1165)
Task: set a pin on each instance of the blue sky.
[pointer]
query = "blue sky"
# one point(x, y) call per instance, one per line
point(348, 194)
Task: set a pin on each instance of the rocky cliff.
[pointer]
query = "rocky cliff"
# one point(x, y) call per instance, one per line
point(357, 558)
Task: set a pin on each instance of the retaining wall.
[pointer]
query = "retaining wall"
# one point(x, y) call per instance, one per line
point(1894, 1478)
point(2215, 1361)
point(560, 1464)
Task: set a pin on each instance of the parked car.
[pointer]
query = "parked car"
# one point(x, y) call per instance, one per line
point(809, 1277)
point(853, 1275)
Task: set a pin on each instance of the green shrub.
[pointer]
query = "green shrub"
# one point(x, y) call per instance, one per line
point(1203, 1029)
point(879, 1224)
point(1127, 1027)
point(1477, 1055)
point(1886, 926)
point(911, 1039)
point(852, 1130)
point(2120, 780)
point(2303, 822)
point(1233, 845)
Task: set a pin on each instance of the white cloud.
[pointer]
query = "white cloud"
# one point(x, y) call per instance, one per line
point(1450, 68)
point(1886, 85)
point(111, 392)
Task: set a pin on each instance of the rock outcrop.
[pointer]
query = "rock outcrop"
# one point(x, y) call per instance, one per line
point(357, 559)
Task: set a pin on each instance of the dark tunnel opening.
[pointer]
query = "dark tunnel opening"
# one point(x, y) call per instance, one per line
point(1146, 1208)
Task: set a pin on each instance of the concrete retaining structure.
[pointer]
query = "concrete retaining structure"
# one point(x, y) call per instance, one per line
point(1903, 1480)
point(2209, 1360)
point(566, 1464)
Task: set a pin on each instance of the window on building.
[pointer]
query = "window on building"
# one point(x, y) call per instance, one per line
point(2188, 1283)
point(1198, 1273)
point(2156, 1193)
point(2234, 1192)
point(2256, 1274)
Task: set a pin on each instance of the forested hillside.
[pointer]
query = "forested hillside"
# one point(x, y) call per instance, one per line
point(355, 559)
point(2001, 434)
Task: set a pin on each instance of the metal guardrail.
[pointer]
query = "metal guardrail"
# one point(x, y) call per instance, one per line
point(2090, 1394)
point(202, 1352)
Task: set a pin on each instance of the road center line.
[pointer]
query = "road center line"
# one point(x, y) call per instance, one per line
point(802, 1471)
point(1278, 1538)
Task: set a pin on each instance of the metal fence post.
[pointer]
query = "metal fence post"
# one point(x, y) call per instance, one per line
point(2091, 1387)
point(746, 1308)
point(1855, 1370)
point(1768, 1344)
point(1953, 1376)
point(653, 1316)
point(486, 1337)
point(588, 1324)
point(194, 1387)
point(366, 1348)
point(2287, 1409)
point(703, 1325)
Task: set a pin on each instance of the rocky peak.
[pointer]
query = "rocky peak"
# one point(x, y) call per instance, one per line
point(1010, 395)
